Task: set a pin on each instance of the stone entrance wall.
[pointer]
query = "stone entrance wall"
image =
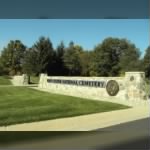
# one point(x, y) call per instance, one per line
point(135, 85)
point(129, 87)
point(20, 80)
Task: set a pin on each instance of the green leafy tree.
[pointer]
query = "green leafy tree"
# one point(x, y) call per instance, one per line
point(12, 57)
point(115, 56)
point(85, 61)
point(1, 68)
point(59, 67)
point(39, 57)
point(71, 59)
point(146, 63)
point(93, 64)
point(30, 65)
point(130, 57)
point(106, 58)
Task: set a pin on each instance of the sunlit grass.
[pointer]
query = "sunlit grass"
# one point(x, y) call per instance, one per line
point(22, 104)
point(5, 80)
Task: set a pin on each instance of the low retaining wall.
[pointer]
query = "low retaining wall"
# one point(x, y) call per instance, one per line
point(20, 80)
point(130, 87)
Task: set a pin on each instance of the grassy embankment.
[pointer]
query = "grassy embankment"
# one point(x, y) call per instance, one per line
point(5, 80)
point(22, 104)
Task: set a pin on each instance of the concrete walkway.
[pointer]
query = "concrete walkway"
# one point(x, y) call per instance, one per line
point(85, 122)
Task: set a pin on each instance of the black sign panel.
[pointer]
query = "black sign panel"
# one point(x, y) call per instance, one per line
point(101, 84)
point(112, 87)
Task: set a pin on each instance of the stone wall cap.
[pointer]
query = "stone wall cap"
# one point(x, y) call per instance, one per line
point(84, 77)
point(134, 72)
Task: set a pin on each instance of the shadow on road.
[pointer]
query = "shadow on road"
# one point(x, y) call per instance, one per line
point(132, 135)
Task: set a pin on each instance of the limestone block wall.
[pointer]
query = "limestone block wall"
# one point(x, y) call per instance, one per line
point(78, 90)
point(130, 87)
point(20, 80)
point(135, 86)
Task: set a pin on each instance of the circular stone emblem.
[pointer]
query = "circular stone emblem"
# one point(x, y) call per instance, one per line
point(131, 78)
point(112, 88)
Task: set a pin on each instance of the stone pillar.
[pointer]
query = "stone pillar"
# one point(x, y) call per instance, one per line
point(135, 86)
point(42, 80)
point(20, 80)
point(25, 79)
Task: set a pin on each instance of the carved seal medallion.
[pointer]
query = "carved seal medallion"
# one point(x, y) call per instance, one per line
point(112, 87)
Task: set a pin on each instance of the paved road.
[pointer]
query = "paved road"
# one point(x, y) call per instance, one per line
point(132, 135)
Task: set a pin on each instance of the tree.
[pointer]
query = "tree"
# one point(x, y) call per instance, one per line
point(146, 63)
point(39, 57)
point(93, 64)
point(59, 67)
point(12, 57)
point(130, 57)
point(106, 58)
point(30, 65)
point(1, 68)
point(71, 59)
point(115, 56)
point(85, 61)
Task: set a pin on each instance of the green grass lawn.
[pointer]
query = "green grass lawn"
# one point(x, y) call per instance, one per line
point(34, 79)
point(5, 80)
point(22, 104)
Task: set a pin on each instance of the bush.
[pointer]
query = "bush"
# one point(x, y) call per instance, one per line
point(1, 70)
point(148, 86)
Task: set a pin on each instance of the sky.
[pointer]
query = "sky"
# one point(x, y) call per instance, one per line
point(85, 32)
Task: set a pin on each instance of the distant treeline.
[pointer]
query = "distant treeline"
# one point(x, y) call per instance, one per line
point(112, 57)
